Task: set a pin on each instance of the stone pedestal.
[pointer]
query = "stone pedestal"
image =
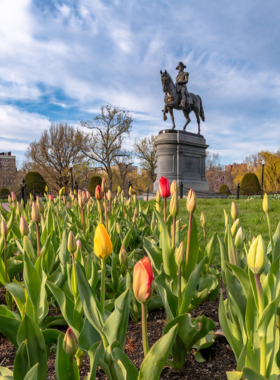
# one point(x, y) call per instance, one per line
point(181, 157)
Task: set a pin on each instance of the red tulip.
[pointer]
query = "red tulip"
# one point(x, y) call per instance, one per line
point(142, 279)
point(50, 197)
point(98, 193)
point(164, 187)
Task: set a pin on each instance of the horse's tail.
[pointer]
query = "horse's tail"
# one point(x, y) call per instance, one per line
point(201, 109)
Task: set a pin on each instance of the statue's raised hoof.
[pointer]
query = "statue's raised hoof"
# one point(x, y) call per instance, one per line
point(164, 117)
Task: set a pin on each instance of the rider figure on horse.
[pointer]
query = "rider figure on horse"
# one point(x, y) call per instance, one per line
point(181, 81)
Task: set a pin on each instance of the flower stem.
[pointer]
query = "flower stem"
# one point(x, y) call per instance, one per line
point(261, 309)
point(72, 371)
point(144, 329)
point(189, 243)
point(83, 219)
point(102, 296)
point(165, 209)
point(38, 239)
point(106, 215)
point(204, 235)
point(269, 230)
point(173, 231)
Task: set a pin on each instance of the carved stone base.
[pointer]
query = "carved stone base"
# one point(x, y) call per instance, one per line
point(181, 157)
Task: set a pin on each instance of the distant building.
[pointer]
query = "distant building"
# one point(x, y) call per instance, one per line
point(8, 169)
point(228, 168)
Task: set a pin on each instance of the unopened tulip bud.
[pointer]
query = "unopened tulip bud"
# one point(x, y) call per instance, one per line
point(266, 204)
point(40, 204)
point(123, 256)
point(75, 192)
point(23, 226)
point(13, 196)
point(122, 197)
point(36, 216)
point(109, 195)
point(202, 220)
point(81, 201)
point(158, 197)
point(134, 219)
point(174, 204)
point(174, 187)
point(50, 197)
point(118, 228)
point(70, 343)
point(257, 255)
point(158, 207)
point(191, 201)
point(88, 195)
point(115, 200)
point(104, 185)
point(46, 189)
point(9, 199)
point(128, 202)
point(18, 209)
point(98, 193)
point(62, 191)
point(142, 280)
point(79, 245)
point(239, 239)
point(84, 195)
point(72, 245)
point(152, 225)
point(4, 228)
point(102, 243)
point(179, 255)
point(234, 227)
point(234, 211)
point(134, 198)
point(136, 211)
point(119, 189)
point(130, 191)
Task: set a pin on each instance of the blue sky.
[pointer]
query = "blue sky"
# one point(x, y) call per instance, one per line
point(61, 60)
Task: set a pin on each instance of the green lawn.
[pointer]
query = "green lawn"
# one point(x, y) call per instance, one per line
point(251, 215)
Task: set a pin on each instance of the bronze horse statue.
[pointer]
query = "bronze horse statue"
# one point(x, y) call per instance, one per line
point(172, 100)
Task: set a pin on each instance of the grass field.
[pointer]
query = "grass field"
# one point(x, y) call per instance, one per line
point(251, 215)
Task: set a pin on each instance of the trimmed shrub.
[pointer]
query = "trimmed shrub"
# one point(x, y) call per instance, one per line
point(94, 181)
point(34, 181)
point(4, 192)
point(250, 184)
point(224, 189)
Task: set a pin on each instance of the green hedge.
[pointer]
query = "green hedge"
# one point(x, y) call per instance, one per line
point(94, 181)
point(34, 181)
point(224, 189)
point(250, 184)
point(4, 191)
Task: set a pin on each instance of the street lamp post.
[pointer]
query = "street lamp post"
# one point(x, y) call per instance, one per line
point(263, 163)
point(71, 169)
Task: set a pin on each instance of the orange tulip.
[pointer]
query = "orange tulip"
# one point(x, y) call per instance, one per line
point(142, 280)
point(98, 193)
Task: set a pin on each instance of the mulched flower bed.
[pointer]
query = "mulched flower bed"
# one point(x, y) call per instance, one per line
point(219, 358)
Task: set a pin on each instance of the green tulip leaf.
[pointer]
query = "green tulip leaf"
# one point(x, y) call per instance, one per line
point(32, 374)
point(21, 362)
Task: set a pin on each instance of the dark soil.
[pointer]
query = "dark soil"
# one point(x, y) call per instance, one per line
point(219, 358)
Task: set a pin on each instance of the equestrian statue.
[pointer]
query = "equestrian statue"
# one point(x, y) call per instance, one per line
point(178, 97)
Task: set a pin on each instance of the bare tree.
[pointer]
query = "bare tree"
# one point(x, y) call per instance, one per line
point(146, 151)
point(105, 141)
point(53, 154)
point(123, 165)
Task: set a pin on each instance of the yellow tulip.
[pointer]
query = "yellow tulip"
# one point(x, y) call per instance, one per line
point(102, 243)
point(266, 204)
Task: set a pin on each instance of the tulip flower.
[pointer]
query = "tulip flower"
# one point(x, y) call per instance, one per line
point(174, 187)
point(81, 203)
point(88, 195)
point(79, 245)
point(72, 245)
point(158, 197)
point(142, 280)
point(134, 198)
point(191, 201)
point(102, 248)
point(142, 289)
point(104, 185)
point(36, 217)
point(130, 191)
point(61, 191)
point(239, 239)
point(13, 196)
point(40, 204)
point(234, 227)
point(234, 211)
point(266, 209)
point(164, 191)
point(174, 209)
point(123, 256)
point(50, 197)
point(179, 258)
point(191, 206)
point(119, 190)
point(46, 189)
point(257, 256)
point(23, 226)
point(203, 225)
point(70, 346)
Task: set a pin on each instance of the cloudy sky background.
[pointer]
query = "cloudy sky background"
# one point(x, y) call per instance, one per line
point(61, 60)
